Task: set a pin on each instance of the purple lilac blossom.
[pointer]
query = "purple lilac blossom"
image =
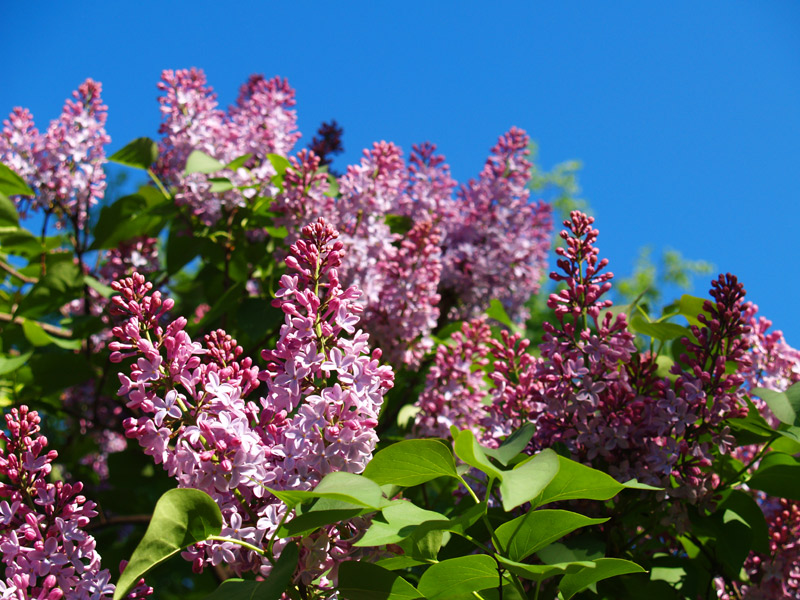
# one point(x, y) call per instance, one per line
point(196, 419)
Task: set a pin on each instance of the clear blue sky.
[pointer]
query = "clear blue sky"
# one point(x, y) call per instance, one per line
point(686, 115)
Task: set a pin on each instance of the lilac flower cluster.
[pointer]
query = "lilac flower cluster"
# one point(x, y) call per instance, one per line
point(775, 364)
point(98, 415)
point(323, 392)
point(46, 551)
point(592, 391)
point(454, 388)
point(261, 122)
point(496, 225)
point(63, 166)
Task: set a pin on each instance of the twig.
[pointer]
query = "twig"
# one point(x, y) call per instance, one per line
point(51, 329)
point(12, 271)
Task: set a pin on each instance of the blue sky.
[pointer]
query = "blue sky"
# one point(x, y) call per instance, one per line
point(686, 115)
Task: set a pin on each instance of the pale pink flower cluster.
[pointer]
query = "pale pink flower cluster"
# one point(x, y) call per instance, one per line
point(46, 552)
point(775, 364)
point(323, 392)
point(497, 243)
point(63, 166)
point(261, 122)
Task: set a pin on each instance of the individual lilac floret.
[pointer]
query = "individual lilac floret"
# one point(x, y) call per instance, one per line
point(324, 391)
point(45, 550)
point(497, 244)
point(63, 166)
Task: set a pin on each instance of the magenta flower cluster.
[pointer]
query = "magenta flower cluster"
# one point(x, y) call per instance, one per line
point(324, 388)
point(590, 389)
point(64, 165)
point(46, 552)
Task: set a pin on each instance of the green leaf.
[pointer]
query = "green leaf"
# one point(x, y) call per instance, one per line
point(575, 481)
point(690, 307)
point(402, 519)
point(182, 517)
point(536, 529)
point(752, 429)
point(39, 337)
point(778, 475)
point(101, 288)
point(139, 154)
point(411, 462)
point(12, 184)
point(238, 162)
point(333, 187)
point(271, 588)
point(498, 312)
point(395, 563)
point(12, 363)
point(182, 247)
point(224, 304)
point(347, 487)
point(129, 217)
point(200, 162)
point(513, 445)
point(322, 512)
point(458, 576)
point(220, 184)
point(280, 164)
point(542, 572)
point(573, 583)
point(784, 405)
point(423, 544)
point(529, 479)
point(399, 224)
point(579, 547)
point(663, 331)
point(470, 451)
point(368, 581)
point(9, 218)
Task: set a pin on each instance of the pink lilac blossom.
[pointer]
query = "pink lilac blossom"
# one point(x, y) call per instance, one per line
point(261, 122)
point(98, 415)
point(63, 166)
point(497, 244)
point(306, 195)
point(324, 389)
point(775, 364)
point(407, 309)
point(46, 551)
point(454, 388)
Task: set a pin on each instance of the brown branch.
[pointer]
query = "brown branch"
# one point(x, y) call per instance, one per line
point(12, 271)
point(119, 520)
point(51, 329)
